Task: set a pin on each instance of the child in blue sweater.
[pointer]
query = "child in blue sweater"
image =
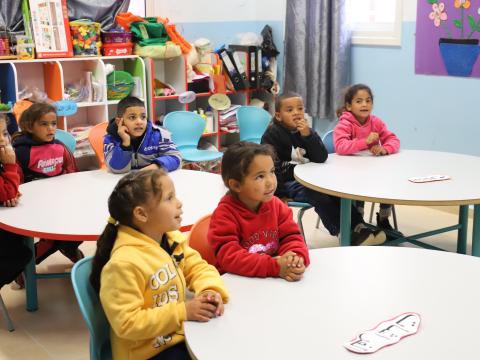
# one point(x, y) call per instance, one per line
point(133, 142)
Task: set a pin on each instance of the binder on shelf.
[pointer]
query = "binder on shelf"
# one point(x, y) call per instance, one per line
point(232, 70)
point(249, 53)
point(259, 68)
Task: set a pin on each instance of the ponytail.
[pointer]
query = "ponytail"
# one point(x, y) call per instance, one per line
point(102, 255)
point(133, 190)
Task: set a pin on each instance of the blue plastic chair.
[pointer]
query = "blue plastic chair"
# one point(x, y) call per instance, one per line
point(67, 139)
point(328, 142)
point(302, 208)
point(252, 123)
point(91, 310)
point(187, 129)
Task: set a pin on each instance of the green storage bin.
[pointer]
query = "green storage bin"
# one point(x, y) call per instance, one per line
point(119, 85)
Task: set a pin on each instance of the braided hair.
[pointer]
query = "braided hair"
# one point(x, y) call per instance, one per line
point(134, 189)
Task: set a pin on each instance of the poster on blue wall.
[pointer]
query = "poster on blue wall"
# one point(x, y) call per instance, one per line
point(447, 38)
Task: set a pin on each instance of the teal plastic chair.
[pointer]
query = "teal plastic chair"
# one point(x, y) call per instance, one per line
point(328, 142)
point(4, 311)
point(67, 139)
point(187, 128)
point(92, 311)
point(302, 207)
point(252, 123)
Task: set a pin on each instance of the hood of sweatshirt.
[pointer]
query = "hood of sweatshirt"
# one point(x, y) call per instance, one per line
point(238, 207)
point(348, 116)
point(26, 139)
point(112, 130)
point(132, 237)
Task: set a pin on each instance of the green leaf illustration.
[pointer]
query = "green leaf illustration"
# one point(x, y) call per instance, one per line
point(432, 1)
point(471, 22)
point(457, 23)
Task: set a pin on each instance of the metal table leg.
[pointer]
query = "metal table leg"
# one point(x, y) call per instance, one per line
point(345, 221)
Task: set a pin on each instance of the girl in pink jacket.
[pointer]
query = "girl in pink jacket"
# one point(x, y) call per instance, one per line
point(359, 130)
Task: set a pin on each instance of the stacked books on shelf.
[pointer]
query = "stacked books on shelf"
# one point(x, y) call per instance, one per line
point(228, 119)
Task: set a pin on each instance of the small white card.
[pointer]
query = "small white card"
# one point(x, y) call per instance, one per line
point(386, 333)
point(429, 178)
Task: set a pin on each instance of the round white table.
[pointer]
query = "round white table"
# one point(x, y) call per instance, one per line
point(75, 207)
point(345, 291)
point(384, 179)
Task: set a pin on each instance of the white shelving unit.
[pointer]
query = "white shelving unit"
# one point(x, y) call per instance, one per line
point(174, 73)
point(52, 76)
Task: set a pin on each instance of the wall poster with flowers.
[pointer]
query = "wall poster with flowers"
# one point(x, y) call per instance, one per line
point(447, 38)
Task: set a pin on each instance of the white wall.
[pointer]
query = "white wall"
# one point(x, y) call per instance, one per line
point(409, 10)
point(137, 7)
point(185, 11)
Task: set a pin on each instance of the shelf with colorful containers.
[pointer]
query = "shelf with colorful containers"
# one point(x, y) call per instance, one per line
point(81, 79)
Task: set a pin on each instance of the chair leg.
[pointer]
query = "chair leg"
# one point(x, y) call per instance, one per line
point(318, 222)
point(372, 208)
point(4, 311)
point(394, 216)
point(299, 222)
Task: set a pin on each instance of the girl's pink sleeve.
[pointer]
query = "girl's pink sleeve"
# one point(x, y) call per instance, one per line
point(344, 144)
point(388, 139)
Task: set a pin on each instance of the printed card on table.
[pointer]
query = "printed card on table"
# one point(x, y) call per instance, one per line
point(386, 333)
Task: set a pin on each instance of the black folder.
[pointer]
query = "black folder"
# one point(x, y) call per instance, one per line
point(232, 70)
point(249, 53)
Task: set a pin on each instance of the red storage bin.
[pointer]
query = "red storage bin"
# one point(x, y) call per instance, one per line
point(117, 49)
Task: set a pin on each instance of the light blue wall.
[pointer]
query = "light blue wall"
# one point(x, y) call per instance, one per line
point(426, 112)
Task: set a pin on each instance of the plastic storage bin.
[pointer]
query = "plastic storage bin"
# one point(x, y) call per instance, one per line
point(85, 37)
point(119, 85)
point(116, 36)
point(117, 49)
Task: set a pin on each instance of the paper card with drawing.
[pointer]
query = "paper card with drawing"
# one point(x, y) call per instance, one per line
point(429, 178)
point(386, 333)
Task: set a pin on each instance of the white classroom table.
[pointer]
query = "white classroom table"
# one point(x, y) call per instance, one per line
point(345, 291)
point(384, 179)
point(75, 207)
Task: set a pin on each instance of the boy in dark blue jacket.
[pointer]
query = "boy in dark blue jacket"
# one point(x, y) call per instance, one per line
point(133, 142)
point(296, 143)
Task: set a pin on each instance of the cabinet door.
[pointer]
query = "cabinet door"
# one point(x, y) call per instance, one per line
point(8, 83)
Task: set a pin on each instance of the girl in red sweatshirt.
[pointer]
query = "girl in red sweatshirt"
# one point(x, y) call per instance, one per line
point(252, 232)
point(14, 254)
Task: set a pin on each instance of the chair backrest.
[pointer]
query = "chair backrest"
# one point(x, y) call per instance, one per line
point(197, 239)
point(67, 139)
point(91, 310)
point(252, 123)
point(328, 142)
point(186, 127)
point(95, 137)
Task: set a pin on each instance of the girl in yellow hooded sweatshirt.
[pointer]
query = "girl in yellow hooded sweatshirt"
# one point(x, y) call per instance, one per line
point(143, 266)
